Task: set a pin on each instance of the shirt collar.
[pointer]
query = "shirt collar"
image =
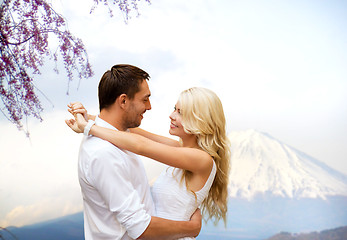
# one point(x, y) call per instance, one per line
point(102, 123)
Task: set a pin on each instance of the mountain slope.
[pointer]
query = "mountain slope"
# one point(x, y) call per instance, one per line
point(333, 234)
point(67, 228)
point(261, 164)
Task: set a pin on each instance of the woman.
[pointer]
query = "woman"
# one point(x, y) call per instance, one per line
point(198, 176)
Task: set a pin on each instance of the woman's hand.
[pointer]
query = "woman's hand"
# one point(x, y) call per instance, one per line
point(81, 117)
point(78, 124)
point(77, 107)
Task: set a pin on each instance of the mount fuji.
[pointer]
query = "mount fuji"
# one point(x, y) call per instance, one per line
point(261, 164)
point(274, 187)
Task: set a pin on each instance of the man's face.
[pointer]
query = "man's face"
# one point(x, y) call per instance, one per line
point(138, 106)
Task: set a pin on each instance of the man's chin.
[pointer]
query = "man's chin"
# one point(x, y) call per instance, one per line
point(135, 124)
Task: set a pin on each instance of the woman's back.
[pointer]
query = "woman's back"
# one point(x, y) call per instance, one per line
point(172, 199)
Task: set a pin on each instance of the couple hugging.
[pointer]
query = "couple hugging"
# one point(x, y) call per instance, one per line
point(118, 202)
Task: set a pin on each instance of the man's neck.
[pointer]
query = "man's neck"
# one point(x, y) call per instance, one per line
point(112, 118)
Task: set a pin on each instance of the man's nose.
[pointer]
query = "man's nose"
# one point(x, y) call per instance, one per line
point(149, 106)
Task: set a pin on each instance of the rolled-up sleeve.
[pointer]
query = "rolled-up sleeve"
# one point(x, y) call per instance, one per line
point(111, 177)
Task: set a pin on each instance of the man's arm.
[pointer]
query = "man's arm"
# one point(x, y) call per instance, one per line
point(160, 228)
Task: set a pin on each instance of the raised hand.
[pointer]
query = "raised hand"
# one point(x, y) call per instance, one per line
point(80, 115)
point(77, 107)
point(73, 125)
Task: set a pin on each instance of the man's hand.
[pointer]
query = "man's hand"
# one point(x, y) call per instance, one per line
point(197, 219)
point(160, 228)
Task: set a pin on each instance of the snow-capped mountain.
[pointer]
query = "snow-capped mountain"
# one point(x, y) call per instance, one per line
point(262, 164)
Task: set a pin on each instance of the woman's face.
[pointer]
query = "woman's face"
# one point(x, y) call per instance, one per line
point(176, 127)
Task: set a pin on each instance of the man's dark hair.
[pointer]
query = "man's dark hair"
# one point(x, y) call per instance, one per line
point(121, 79)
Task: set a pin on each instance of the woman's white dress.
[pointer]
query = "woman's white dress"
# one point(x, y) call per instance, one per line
point(172, 199)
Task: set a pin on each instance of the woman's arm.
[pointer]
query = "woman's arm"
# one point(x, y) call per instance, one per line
point(77, 107)
point(191, 159)
point(92, 117)
point(155, 137)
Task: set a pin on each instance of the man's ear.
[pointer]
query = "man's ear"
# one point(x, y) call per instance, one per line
point(122, 100)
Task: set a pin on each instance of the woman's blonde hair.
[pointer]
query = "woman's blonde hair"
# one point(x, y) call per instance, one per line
point(203, 115)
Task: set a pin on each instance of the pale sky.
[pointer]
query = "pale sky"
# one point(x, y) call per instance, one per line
point(278, 66)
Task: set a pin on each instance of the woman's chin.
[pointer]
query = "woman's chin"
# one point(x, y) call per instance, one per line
point(171, 132)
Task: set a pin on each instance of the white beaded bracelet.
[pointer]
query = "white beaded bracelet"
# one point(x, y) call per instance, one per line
point(88, 127)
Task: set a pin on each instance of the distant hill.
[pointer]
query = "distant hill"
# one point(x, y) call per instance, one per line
point(64, 228)
point(333, 234)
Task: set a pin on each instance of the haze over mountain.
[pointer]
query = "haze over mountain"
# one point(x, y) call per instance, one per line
point(263, 164)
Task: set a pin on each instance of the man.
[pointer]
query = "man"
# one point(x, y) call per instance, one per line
point(116, 195)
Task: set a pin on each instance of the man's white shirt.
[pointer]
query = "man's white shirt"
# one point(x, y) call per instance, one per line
point(116, 195)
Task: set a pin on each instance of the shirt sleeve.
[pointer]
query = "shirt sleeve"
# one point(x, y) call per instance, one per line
point(111, 177)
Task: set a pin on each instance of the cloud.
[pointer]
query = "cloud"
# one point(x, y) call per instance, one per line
point(44, 209)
